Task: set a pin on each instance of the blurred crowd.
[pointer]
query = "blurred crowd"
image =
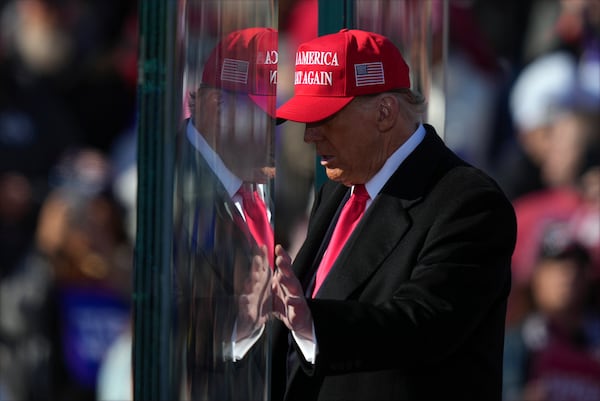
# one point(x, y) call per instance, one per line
point(522, 96)
point(542, 144)
point(68, 76)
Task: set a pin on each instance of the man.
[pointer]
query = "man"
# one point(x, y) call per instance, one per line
point(413, 306)
point(222, 253)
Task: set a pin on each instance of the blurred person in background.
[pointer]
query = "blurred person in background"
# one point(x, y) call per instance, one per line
point(81, 235)
point(571, 171)
point(532, 99)
point(562, 59)
point(571, 158)
point(551, 170)
point(71, 298)
point(553, 353)
point(556, 107)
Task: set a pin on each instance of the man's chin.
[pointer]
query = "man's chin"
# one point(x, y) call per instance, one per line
point(259, 175)
point(334, 175)
point(268, 172)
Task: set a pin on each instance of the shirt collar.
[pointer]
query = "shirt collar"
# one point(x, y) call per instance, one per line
point(374, 185)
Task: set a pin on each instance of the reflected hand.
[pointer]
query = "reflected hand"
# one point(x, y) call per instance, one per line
point(289, 303)
point(254, 305)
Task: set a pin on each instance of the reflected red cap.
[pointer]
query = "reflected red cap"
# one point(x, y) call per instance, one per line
point(245, 61)
point(332, 69)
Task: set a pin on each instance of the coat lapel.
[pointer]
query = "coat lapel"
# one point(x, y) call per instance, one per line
point(385, 222)
point(372, 240)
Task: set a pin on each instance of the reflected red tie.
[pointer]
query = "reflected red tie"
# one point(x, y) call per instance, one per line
point(257, 219)
point(349, 217)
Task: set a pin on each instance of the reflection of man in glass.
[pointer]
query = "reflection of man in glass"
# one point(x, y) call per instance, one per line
point(224, 249)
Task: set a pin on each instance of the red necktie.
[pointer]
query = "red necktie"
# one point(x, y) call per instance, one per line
point(349, 217)
point(258, 220)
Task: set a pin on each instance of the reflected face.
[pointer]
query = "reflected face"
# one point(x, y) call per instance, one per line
point(348, 143)
point(238, 130)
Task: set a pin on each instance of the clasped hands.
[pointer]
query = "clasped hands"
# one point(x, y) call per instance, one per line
point(283, 298)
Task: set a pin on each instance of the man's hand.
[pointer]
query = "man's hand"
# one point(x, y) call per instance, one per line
point(254, 305)
point(289, 304)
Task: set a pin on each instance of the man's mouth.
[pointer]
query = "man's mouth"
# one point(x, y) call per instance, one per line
point(326, 159)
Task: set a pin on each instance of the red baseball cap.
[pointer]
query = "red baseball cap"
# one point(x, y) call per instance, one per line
point(332, 69)
point(245, 61)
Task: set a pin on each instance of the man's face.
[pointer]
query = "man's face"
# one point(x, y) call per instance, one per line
point(239, 131)
point(558, 285)
point(351, 148)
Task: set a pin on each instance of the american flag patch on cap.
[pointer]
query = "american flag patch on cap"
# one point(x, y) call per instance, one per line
point(234, 71)
point(369, 74)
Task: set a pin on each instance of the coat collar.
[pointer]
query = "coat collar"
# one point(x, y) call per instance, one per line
point(374, 238)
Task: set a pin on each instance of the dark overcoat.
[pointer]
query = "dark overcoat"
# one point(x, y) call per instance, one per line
point(414, 307)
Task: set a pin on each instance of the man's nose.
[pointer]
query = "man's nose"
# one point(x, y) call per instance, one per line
point(312, 133)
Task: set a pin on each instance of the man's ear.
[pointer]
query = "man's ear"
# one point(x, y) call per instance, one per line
point(387, 112)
